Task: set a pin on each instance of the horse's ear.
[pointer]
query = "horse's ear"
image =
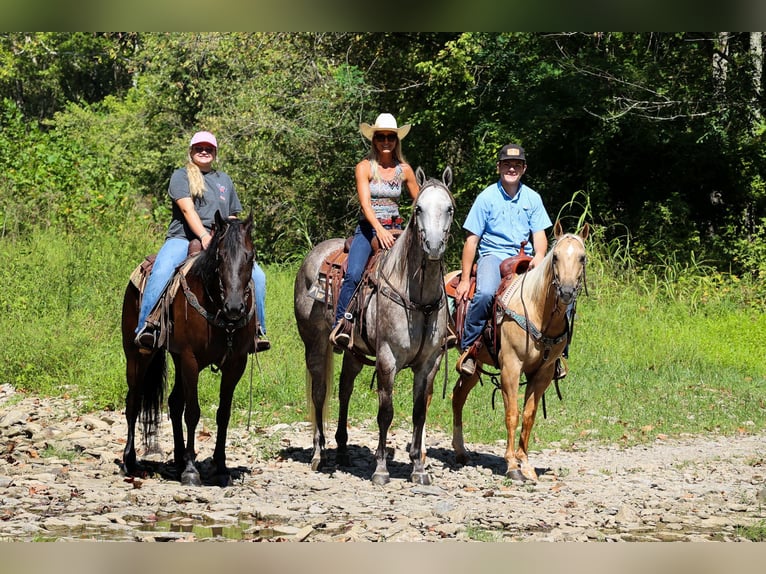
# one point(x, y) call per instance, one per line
point(585, 231)
point(447, 176)
point(557, 230)
point(219, 222)
point(248, 223)
point(420, 176)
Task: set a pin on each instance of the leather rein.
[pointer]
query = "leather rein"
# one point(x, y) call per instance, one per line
point(215, 318)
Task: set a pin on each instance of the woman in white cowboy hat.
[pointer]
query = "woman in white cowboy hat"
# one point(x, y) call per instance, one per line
point(379, 180)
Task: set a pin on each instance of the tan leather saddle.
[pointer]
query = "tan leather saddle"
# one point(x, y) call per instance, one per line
point(334, 267)
point(510, 268)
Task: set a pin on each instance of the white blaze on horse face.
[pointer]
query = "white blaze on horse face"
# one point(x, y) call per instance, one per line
point(569, 263)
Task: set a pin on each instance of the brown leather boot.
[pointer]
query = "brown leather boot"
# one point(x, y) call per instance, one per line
point(466, 364)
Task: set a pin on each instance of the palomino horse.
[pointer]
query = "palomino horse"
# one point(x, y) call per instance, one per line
point(534, 331)
point(404, 324)
point(214, 323)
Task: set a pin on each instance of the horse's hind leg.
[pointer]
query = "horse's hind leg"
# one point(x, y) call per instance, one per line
point(349, 371)
point(463, 386)
point(132, 408)
point(319, 363)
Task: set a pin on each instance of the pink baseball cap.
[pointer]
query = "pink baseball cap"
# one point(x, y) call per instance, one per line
point(204, 137)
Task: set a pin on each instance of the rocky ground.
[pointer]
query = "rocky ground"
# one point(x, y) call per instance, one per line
point(59, 480)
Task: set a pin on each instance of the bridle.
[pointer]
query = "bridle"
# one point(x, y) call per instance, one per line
point(216, 319)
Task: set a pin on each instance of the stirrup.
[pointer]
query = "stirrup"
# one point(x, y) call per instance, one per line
point(340, 336)
point(561, 369)
point(466, 364)
point(146, 338)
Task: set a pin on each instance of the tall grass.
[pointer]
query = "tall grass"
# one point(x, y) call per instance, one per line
point(655, 353)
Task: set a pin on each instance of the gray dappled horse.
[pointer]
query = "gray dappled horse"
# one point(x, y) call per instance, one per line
point(405, 326)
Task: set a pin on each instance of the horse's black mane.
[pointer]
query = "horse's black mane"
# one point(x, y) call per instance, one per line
point(206, 265)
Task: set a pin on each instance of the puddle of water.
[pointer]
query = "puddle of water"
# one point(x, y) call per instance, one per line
point(199, 530)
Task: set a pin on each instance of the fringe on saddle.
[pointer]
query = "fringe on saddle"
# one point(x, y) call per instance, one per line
point(160, 315)
point(327, 286)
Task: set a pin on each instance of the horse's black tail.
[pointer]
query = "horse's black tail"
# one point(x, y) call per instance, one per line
point(153, 397)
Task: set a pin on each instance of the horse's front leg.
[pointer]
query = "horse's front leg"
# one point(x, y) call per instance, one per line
point(422, 391)
point(349, 371)
point(536, 387)
point(509, 382)
point(184, 401)
point(386, 373)
point(230, 376)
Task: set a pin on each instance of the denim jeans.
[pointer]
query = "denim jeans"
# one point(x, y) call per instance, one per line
point(480, 307)
point(358, 254)
point(170, 256)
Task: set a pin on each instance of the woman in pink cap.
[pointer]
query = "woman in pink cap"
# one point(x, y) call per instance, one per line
point(379, 180)
point(197, 191)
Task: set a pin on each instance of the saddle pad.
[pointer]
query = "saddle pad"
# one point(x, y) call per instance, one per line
point(141, 274)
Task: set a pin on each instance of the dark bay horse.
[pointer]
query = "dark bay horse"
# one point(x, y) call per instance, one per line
point(405, 325)
point(534, 331)
point(213, 323)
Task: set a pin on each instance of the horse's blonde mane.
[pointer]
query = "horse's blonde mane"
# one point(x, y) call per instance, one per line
point(537, 280)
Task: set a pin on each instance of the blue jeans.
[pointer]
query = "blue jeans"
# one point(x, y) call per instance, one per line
point(170, 256)
point(480, 307)
point(358, 254)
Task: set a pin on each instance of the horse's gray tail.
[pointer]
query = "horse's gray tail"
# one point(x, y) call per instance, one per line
point(329, 374)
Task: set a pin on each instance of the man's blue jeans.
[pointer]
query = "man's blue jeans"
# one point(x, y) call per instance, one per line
point(170, 256)
point(480, 307)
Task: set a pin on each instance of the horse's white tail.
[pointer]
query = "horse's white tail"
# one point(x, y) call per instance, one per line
point(329, 376)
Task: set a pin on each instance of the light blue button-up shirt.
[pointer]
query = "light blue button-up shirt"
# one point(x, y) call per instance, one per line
point(503, 222)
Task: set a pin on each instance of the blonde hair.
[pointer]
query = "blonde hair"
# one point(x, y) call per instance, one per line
point(195, 177)
point(196, 180)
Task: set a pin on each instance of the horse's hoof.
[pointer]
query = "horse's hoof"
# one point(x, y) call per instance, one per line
point(223, 479)
point(461, 458)
point(422, 478)
point(381, 478)
point(316, 464)
point(516, 475)
point(190, 478)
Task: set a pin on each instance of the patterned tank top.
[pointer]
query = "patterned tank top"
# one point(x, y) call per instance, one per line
point(385, 194)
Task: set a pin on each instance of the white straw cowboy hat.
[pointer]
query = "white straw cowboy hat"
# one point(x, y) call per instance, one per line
point(384, 123)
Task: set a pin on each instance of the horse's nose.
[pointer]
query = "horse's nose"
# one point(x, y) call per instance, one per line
point(234, 309)
point(567, 294)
